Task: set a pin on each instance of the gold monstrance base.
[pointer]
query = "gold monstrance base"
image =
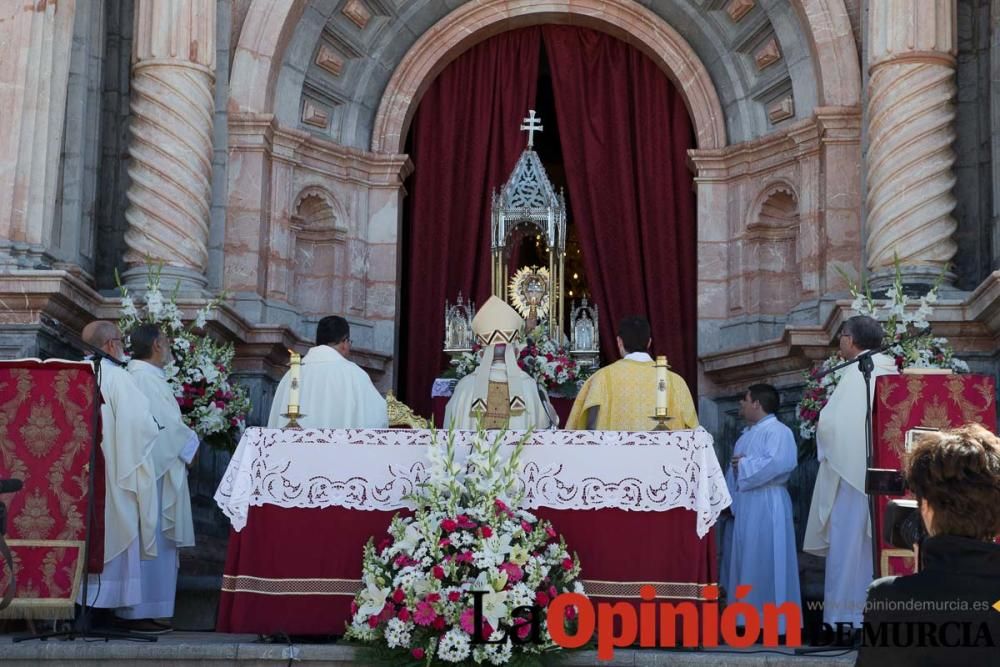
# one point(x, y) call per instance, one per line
point(661, 422)
point(293, 415)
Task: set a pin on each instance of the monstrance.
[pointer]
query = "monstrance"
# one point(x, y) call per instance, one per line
point(528, 199)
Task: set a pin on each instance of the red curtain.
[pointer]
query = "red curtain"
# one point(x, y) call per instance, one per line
point(465, 142)
point(625, 133)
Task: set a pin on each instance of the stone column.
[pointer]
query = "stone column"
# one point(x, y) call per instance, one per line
point(170, 166)
point(911, 116)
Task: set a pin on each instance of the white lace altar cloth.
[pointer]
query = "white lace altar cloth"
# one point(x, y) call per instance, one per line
point(375, 469)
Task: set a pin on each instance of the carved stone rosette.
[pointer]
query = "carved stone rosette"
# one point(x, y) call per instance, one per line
point(172, 105)
point(911, 116)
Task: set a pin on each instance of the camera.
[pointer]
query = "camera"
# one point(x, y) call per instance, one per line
point(902, 526)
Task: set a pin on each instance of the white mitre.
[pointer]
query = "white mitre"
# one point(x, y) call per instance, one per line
point(496, 323)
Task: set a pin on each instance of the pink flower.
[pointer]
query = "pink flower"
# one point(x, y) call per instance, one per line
point(514, 572)
point(525, 526)
point(404, 614)
point(541, 599)
point(523, 628)
point(424, 614)
point(465, 522)
point(438, 572)
point(553, 592)
point(487, 531)
point(443, 542)
point(449, 525)
point(454, 596)
point(499, 504)
point(433, 597)
point(417, 653)
point(464, 557)
point(550, 531)
point(398, 596)
point(570, 612)
point(465, 621)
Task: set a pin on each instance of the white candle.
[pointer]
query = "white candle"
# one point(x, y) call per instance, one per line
point(293, 392)
point(661, 385)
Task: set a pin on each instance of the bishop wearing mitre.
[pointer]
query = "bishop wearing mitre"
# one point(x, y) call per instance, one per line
point(131, 507)
point(334, 391)
point(498, 393)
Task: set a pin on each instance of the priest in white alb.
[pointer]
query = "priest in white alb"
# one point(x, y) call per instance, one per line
point(174, 450)
point(333, 391)
point(839, 526)
point(131, 506)
point(498, 394)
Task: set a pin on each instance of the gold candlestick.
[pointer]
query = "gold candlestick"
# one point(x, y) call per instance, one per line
point(662, 397)
point(293, 415)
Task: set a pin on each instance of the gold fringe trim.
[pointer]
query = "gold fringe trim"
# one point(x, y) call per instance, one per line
point(626, 590)
point(289, 586)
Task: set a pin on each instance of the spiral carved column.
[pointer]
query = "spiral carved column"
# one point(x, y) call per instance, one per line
point(170, 168)
point(911, 116)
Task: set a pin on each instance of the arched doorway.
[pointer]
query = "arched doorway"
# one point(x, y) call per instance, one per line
point(623, 132)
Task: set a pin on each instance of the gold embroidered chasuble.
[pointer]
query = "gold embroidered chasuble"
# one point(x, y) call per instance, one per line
point(625, 395)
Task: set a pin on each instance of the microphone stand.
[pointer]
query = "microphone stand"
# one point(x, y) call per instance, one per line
point(82, 628)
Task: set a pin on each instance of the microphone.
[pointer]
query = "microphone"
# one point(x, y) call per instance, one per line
point(10, 485)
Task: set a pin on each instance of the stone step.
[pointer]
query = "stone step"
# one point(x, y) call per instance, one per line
point(209, 649)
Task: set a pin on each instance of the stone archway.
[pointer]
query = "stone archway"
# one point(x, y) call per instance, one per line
point(475, 22)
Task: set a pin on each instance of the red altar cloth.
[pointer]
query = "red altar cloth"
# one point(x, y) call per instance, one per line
point(904, 402)
point(320, 550)
point(47, 419)
point(563, 406)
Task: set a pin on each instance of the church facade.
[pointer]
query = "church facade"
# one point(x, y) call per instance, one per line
point(258, 148)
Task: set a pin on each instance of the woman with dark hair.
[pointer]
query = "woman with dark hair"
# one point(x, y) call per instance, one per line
point(948, 613)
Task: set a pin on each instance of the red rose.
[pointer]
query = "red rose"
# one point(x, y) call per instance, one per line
point(571, 613)
point(438, 572)
point(354, 607)
point(487, 531)
point(443, 542)
point(541, 599)
point(398, 596)
point(417, 653)
point(373, 621)
point(449, 525)
point(438, 623)
point(525, 526)
point(454, 596)
point(432, 597)
point(550, 531)
point(404, 614)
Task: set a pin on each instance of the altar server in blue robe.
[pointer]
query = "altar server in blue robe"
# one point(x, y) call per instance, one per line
point(763, 552)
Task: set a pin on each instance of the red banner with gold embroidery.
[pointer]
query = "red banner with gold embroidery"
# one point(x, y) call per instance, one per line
point(47, 424)
point(906, 402)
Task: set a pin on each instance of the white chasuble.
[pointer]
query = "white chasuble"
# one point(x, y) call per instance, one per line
point(333, 393)
point(131, 506)
point(175, 447)
point(840, 448)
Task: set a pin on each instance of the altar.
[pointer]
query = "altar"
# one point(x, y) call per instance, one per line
point(638, 508)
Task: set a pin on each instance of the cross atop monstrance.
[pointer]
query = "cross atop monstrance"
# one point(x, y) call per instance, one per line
point(532, 124)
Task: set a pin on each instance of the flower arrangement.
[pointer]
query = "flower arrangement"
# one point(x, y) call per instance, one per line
point(211, 405)
point(466, 535)
point(541, 357)
point(900, 315)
